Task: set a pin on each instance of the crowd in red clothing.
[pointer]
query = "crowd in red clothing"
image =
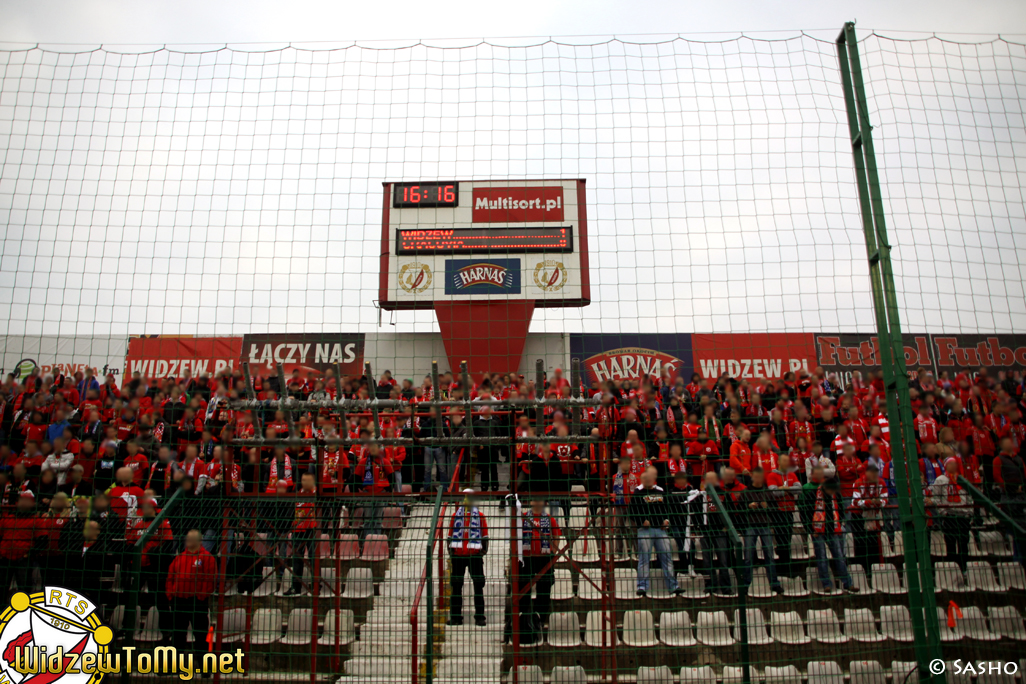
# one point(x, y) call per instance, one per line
point(78, 450)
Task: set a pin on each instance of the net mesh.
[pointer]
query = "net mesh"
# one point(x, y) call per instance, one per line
point(212, 428)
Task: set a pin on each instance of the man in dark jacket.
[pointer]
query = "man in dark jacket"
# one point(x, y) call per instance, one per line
point(650, 513)
point(759, 504)
point(431, 427)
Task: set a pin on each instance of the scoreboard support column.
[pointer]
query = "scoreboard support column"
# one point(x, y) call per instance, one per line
point(488, 335)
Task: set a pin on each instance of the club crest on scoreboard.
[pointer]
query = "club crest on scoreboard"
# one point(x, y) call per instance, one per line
point(550, 276)
point(415, 277)
point(482, 276)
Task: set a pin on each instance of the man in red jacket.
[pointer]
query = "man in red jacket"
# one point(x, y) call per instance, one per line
point(190, 582)
point(18, 532)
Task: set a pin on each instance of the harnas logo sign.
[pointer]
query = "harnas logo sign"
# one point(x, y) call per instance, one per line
point(478, 276)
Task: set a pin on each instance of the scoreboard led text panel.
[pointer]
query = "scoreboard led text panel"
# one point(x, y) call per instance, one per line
point(434, 232)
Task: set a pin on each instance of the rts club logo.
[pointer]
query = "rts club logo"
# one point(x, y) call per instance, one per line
point(53, 636)
point(549, 275)
point(476, 276)
point(415, 277)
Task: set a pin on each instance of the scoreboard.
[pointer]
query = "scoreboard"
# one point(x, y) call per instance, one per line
point(484, 240)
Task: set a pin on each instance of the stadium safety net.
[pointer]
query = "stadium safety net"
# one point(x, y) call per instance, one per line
point(528, 363)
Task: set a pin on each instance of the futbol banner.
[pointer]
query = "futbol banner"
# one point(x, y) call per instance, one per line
point(164, 356)
point(971, 353)
point(305, 352)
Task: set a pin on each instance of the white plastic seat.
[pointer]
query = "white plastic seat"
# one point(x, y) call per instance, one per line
point(693, 586)
point(589, 590)
point(1011, 575)
point(866, 672)
point(896, 623)
point(938, 547)
point(585, 550)
point(675, 629)
point(563, 588)
point(299, 630)
point(1006, 621)
point(117, 617)
point(886, 579)
point(593, 630)
point(859, 579)
point(947, 576)
point(954, 677)
point(655, 675)
point(578, 518)
point(793, 586)
point(528, 674)
point(266, 628)
point(994, 544)
point(564, 630)
point(799, 547)
point(340, 622)
point(974, 625)
point(985, 676)
point(980, 577)
point(638, 628)
point(760, 584)
point(974, 550)
point(816, 586)
point(359, 584)
point(626, 584)
point(712, 628)
point(788, 674)
point(734, 674)
point(944, 632)
point(573, 674)
point(150, 631)
point(904, 671)
point(825, 627)
point(825, 672)
point(269, 585)
point(656, 584)
point(697, 675)
point(860, 625)
point(757, 634)
point(787, 628)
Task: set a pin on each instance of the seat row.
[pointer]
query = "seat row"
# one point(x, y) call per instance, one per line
point(818, 672)
point(885, 579)
point(713, 628)
point(265, 628)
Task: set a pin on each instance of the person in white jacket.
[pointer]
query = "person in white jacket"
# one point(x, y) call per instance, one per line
point(59, 461)
point(821, 460)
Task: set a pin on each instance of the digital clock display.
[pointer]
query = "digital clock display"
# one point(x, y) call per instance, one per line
point(431, 194)
point(476, 240)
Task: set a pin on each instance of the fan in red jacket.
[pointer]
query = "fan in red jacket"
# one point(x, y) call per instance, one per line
point(125, 495)
point(848, 470)
point(190, 582)
point(374, 471)
point(927, 429)
point(702, 454)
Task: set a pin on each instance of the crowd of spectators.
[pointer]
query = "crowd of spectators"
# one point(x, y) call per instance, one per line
point(86, 463)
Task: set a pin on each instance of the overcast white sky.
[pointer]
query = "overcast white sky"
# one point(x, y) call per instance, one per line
point(221, 21)
point(239, 190)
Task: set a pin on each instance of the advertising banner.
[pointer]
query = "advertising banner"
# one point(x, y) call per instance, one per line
point(631, 356)
point(166, 356)
point(753, 356)
point(969, 353)
point(844, 353)
point(482, 276)
point(306, 352)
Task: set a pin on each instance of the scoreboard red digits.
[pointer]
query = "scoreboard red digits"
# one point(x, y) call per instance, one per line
point(476, 240)
point(430, 194)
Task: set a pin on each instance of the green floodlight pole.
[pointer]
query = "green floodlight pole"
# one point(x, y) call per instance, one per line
point(911, 508)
